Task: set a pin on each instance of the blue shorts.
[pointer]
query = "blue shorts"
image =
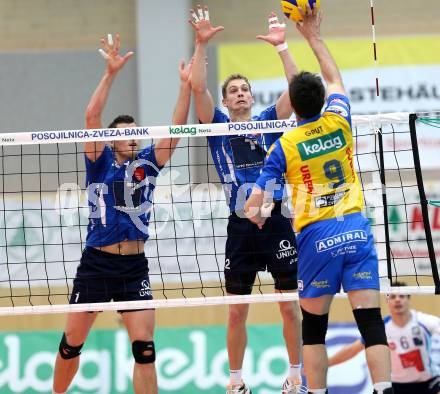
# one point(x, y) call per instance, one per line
point(332, 253)
point(102, 277)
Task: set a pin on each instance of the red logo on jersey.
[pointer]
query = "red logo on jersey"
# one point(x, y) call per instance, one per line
point(139, 174)
point(412, 359)
point(307, 178)
point(392, 345)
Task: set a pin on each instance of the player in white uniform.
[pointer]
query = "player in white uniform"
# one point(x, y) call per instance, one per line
point(409, 335)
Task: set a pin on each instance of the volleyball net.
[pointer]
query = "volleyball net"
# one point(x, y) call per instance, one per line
point(44, 214)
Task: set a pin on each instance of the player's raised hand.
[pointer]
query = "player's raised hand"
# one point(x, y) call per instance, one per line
point(277, 31)
point(110, 52)
point(201, 24)
point(185, 71)
point(310, 26)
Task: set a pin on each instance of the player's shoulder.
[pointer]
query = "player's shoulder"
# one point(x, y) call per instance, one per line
point(338, 104)
point(426, 319)
point(270, 113)
point(104, 159)
point(146, 152)
point(220, 116)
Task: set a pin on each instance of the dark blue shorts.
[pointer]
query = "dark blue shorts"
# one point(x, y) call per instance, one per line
point(432, 386)
point(102, 277)
point(336, 252)
point(249, 250)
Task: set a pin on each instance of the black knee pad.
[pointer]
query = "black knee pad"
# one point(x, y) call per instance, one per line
point(139, 348)
point(68, 352)
point(371, 326)
point(314, 328)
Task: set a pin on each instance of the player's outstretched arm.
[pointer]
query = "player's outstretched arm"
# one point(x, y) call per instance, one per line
point(164, 148)
point(259, 205)
point(204, 31)
point(277, 37)
point(310, 30)
point(114, 63)
point(346, 353)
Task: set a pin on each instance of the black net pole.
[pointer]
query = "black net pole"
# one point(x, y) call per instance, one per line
point(423, 202)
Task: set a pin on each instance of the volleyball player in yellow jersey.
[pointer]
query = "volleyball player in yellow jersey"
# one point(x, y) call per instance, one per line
point(335, 244)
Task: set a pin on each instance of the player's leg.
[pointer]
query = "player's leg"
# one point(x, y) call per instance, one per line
point(291, 329)
point(236, 339)
point(319, 278)
point(237, 335)
point(140, 327)
point(240, 275)
point(314, 328)
point(366, 309)
point(361, 282)
point(292, 337)
point(139, 323)
point(278, 244)
point(86, 289)
point(67, 361)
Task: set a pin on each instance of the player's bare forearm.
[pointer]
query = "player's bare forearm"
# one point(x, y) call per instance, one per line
point(199, 71)
point(253, 206)
point(289, 65)
point(94, 113)
point(327, 64)
point(98, 101)
point(181, 110)
point(346, 353)
point(163, 150)
point(283, 104)
point(204, 103)
point(310, 29)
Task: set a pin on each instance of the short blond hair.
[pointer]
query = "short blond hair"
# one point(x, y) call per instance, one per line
point(233, 77)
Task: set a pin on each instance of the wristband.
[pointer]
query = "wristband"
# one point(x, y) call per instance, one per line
point(282, 47)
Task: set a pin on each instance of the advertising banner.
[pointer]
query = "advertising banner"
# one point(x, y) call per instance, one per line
point(189, 360)
point(409, 69)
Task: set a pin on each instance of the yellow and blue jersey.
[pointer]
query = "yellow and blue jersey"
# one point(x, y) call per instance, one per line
point(317, 161)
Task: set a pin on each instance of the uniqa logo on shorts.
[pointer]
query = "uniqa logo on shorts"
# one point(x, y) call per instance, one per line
point(321, 145)
point(286, 249)
point(183, 130)
point(145, 289)
point(341, 239)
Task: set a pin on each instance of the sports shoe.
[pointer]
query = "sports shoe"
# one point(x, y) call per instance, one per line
point(242, 389)
point(293, 387)
point(386, 391)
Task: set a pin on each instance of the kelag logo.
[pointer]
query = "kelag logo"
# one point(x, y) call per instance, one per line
point(321, 145)
point(183, 130)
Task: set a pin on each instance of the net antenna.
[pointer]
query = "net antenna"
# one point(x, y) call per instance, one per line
point(44, 215)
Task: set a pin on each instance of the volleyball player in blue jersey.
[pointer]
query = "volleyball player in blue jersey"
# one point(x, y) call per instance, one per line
point(238, 160)
point(120, 183)
point(335, 244)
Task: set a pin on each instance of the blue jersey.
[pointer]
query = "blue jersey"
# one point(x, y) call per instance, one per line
point(239, 159)
point(120, 197)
